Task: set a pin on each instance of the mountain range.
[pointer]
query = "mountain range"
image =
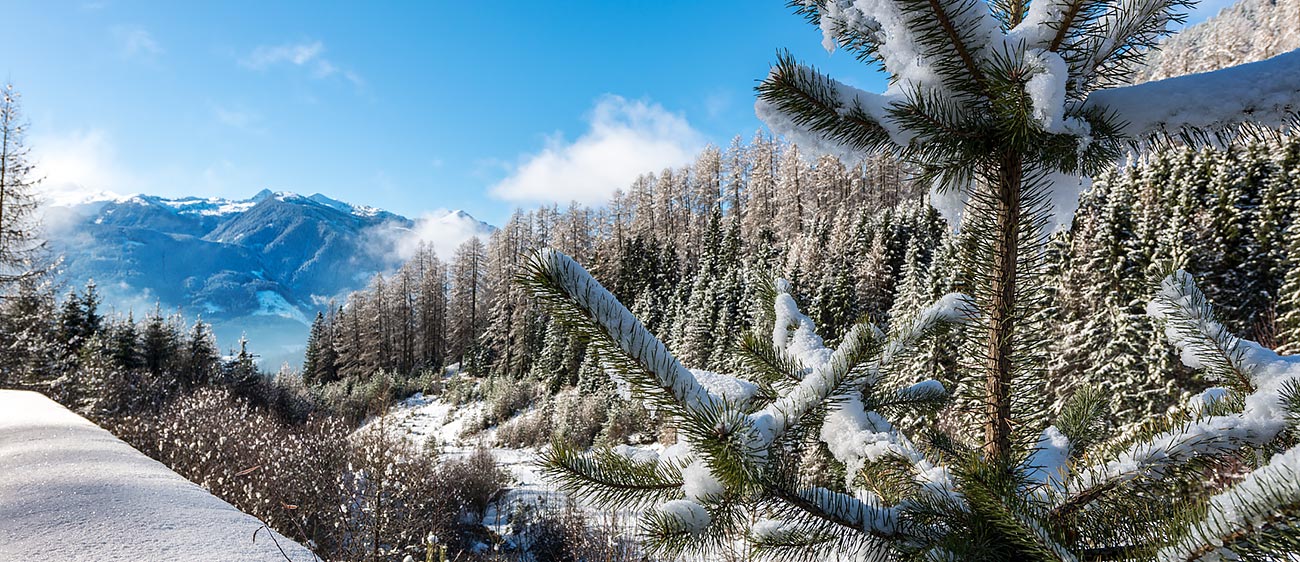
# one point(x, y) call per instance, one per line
point(260, 267)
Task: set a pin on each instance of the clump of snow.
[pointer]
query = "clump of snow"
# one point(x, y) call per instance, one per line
point(1048, 461)
point(1207, 398)
point(793, 332)
point(72, 491)
point(691, 515)
point(733, 389)
point(930, 386)
point(1046, 89)
point(698, 483)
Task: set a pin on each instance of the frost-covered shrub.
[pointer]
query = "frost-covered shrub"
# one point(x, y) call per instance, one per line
point(528, 429)
point(474, 480)
point(566, 416)
point(348, 495)
point(505, 398)
point(577, 419)
point(358, 398)
point(627, 422)
point(284, 474)
point(549, 533)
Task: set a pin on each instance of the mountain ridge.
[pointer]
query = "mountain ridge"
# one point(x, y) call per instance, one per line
point(261, 266)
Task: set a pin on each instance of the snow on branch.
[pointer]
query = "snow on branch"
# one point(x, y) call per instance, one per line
point(823, 114)
point(1264, 93)
point(816, 387)
point(855, 435)
point(1191, 328)
point(578, 288)
point(1241, 511)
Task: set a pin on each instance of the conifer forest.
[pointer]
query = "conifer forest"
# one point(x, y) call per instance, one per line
point(1037, 299)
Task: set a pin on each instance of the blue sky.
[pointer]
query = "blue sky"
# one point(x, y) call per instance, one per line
point(410, 107)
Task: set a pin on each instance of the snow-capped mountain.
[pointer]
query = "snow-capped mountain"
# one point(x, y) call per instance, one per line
point(261, 266)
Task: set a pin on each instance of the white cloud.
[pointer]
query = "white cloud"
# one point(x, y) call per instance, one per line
point(625, 139)
point(135, 42)
point(444, 230)
point(78, 166)
point(309, 55)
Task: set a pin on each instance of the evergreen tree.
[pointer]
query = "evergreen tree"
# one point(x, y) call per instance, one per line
point(124, 345)
point(199, 358)
point(241, 372)
point(311, 363)
point(970, 115)
point(20, 244)
point(159, 344)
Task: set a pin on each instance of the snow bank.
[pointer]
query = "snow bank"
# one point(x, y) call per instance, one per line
point(72, 491)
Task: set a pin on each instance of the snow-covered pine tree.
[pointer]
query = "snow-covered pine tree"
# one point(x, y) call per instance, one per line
point(996, 101)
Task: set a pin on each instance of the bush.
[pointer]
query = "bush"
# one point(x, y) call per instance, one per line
point(529, 429)
point(364, 496)
point(545, 533)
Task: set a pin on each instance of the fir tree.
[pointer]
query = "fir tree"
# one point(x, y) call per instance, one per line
point(312, 364)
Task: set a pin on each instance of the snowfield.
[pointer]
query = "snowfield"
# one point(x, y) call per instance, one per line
point(72, 491)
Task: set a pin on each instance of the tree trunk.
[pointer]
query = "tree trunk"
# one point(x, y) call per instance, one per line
point(997, 427)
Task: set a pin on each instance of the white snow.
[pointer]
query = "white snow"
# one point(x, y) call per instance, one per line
point(1048, 463)
point(1263, 92)
point(72, 491)
point(270, 303)
point(692, 515)
point(733, 389)
point(1242, 507)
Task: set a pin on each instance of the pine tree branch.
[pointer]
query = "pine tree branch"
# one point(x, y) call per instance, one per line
point(823, 106)
point(610, 479)
point(1258, 516)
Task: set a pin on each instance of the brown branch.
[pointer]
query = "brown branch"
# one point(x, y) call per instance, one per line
point(966, 58)
point(1066, 22)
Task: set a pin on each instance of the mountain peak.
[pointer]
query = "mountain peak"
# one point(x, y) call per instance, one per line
point(263, 195)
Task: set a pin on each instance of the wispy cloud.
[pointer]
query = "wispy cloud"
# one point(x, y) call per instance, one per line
point(135, 42)
point(309, 55)
point(239, 118)
point(624, 139)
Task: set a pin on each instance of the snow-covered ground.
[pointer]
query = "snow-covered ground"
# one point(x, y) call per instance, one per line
point(71, 491)
point(426, 417)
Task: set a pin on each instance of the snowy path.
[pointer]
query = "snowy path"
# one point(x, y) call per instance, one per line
point(69, 490)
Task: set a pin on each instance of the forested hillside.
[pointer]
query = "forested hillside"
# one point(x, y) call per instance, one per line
point(1246, 31)
point(689, 249)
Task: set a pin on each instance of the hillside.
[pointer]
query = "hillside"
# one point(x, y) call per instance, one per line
point(1247, 31)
